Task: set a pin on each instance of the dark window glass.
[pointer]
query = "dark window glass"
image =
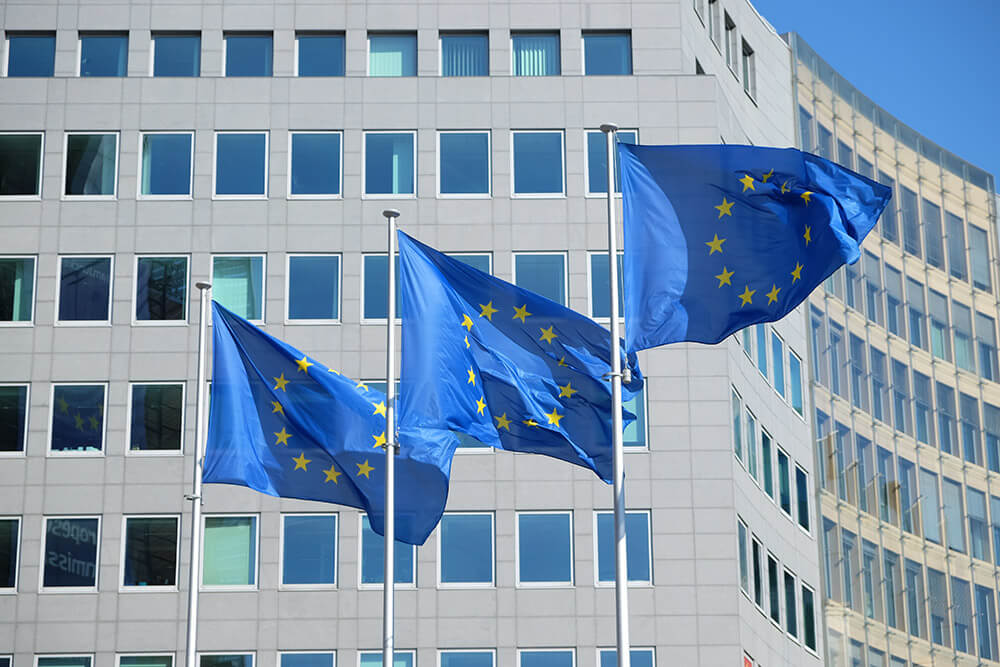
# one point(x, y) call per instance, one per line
point(545, 549)
point(466, 549)
point(808, 618)
point(784, 483)
point(389, 163)
point(241, 163)
point(865, 168)
point(166, 164)
point(71, 547)
point(373, 555)
point(542, 274)
point(9, 539)
point(636, 542)
point(791, 617)
point(392, 54)
point(911, 221)
point(887, 224)
point(176, 54)
point(309, 554)
point(901, 397)
point(146, 661)
point(313, 287)
point(374, 659)
point(13, 417)
point(597, 160)
point(85, 289)
point(103, 55)
point(161, 288)
point(476, 261)
point(535, 53)
point(824, 142)
point(235, 660)
point(315, 163)
point(805, 130)
point(774, 593)
point(917, 309)
point(933, 239)
point(157, 417)
point(538, 163)
point(464, 167)
point(607, 53)
point(895, 319)
point(961, 318)
point(150, 551)
point(955, 229)
point(77, 418)
point(307, 660)
point(802, 497)
point(320, 54)
point(91, 164)
point(31, 54)
point(248, 54)
point(17, 285)
point(20, 165)
point(465, 54)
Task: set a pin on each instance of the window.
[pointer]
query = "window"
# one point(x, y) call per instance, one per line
point(314, 165)
point(749, 70)
point(31, 53)
point(167, 161)
point(84, 295)
point(544, 548)
point(808, 617)
point(238, 284)
point(70, 557)
point(313, 288)
point(374, 659)
point(157, 417)
point(465, 659)
point(373, 559)
point(873, 289)
point(176, 54)
point(845, 156)
point(465, 550)
point(986, 344)
point(543, 274)
point(908, 499)
point(817, 343)
point(911, 222)
point(535, 53)
point(969, 411)
point(389, 161)
point(240, 165)
point(805, 130)
point(635, 432)
point(10, 533)
point(933, 238)
point(607, 52)
point(915, 599)
point(17, 287)
point(64, 661)
point(979, 540)
point(248, 53)
point(751, 442)
point(831, 560)
point(226, 660)
point(375, 277)
point(917, 308)
point(78, 418)
point(545, 657)
point(766, 456)
point(762, 349)
point(859, 388)
point(892, 590)
point(922, 408)
point(537, 163)
point(637, 542)
point(953, 514)
point(895, 319)
point(758, 573)
point(731, 42)
point(741, 547)
point(979, 243)
point(161, 289)
point(597, 160)
point(103, 54)
point(772, 588)
point(638, 657)
point(802, 497)
point(392, 54)
point(307, 659)
point(940, 336)
point(309, 550)
point(986, 623)
point(887, 224)
point(995, 527)
point(955, 230)
point(965, 357)
point(838, 360)
point(929, 503)
point(791, 617)
point(947, 419)
point(737, 425)
point(13, 418)
point(937, 591)
point(778, 358)
point(714, 18)
point(465, 54)
point(795, 381)
point(866, 168)
point(900, 397)
point(600, 294)
point(229, 552)
point(91, 165)
point(319, 54)
point(784, 483)
point(149, 551)
point(21, 165)
point(463, 164)
point(991, 420)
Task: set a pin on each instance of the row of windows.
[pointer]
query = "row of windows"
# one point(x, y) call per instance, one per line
point(464, 167)
point(739, 54)
point(775, 589)
point(856, 651)
point(461, 53)
point(466, 553)
point(788, 386)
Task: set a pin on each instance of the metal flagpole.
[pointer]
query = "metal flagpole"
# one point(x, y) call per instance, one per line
point(194, 573)
point(389, 574)
point(621, 553)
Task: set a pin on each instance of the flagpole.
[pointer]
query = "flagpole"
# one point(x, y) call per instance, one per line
point(389, 574)
point(621, 552)
point(194, 569)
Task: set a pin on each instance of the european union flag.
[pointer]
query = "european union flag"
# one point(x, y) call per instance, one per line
point(503, 365)
point(721, 237)
point(285, 425)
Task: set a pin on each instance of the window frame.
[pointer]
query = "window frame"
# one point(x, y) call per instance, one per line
point(5, 49)
point(791, 614)
point(49, 452)
point(295, 73)
point(41, 157)
point(441, 585)
point(136, 322)
point(562, 156)
point(340, 288)
point(748, 67)
point(30, 322)
point(440, 58)
point(512, 72)
point(282, 586)
point(122, 588)
point(65, 159)
point(517, 551)
point(568, 649)
point(362, 586)
point(142, 453)
point(795, 467)
point(80, 34)
point(440, 651)
point(626, 32)
point(152, 63)
point(364, 163)
point(17, 554)
point(111, 289)
point(142, 654)
point(489, 164)
point(215, 166)
point(44, 554)
point(649, 549)
point(27, 419)
point(291, 133)
point(138, 181)
point(815, 626)
point(416, 61)
point(587, 192)
point(228, 588)
point(225, 54)
point(263, 282)
point(565, 277)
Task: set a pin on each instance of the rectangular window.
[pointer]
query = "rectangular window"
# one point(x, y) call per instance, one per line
point(307, 659)
point(916, 309)
point(17, 287)
point(929, 504)
point(751, 441)
point(947, 419)
point(962, 320)
point(149, 551)
point(714, 21)
point(13, 418)
point(954, 522)
point(635, 432)
point(226, 660)
point(824, 142)
point(778, 358)
point(637, 542)
point(933, 237)
point(374, 659)
point(464, 164)
point(84, 295)
point(817, 343)
point(859, 372)
point(986, 623)
point(389, 163)
point(979, 540)
point(865, 469)
point(91, 165)
point(375, 278)
point(955, 230)
point(831, 561)
point(888, 226)
point(10, 540)
point(248, 53)
point(737, 425)
point(313, 288)
point(969, 411)
point(465, 659)
point(940, 334)
point(937, 591)
point(758, 573)
point(240, 165)
point(535, 53)
point(71, 554)
point(319, 54)
point(21, 165)
point(545, 658)
point(597, 160)
point(845, 156)
point(638, 657)
point(891, 489)
point(465, 54)
point(238, 284)
point(600, 294)
point(537, 163)
point(545, 549)
point(314, 163)
point(991, 421)
point(607, 53)
point(157, 417)
point(895, 317)
point(774, 594)
point(229, 552)
point(795, 381)
point(911, 221)
point(103, 54)
point(78, 418)
point(741, 548)
point(986, 345)
point(802, 497)
point(465, 550)
point(373, 559)
point(873, 289)
point(892, 590)
point(791, 617)
point(995, 527)
point(784, 483)
point(731, 43)
point(852, 284)
point(166, 165)
point(808, 617)
point(543, 274)
point(31, 53)
point(161, 289)
point(766, 455)
point(392, 54)
point(900, 397)
point(865, 168)
point(922, 408)
point(851, 570)
point(916, 615)
point(309, 550)
point(176, 54)
point(805, 130)
point(838, 360)
point(63, 661)
point(979, 243)
point(761, 346)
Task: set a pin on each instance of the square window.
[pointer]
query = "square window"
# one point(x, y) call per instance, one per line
point(78, 418)
point(636, 541)
point(226, 660)
point(373, 557)
point(309, 550)
point(21, 165)
point(600, 294)
point(374, 659)
point(538, 163)
point(543, 274)
point(392, 54)
point(638, 657)
point(544, 548)
point(241, 165)
point(13, 418)
point(389, 163)
point(327, 659)
point(71, 553)
point(103, 54)
point(157, 417)
point(238, 284)
point(549, 657)
point(10, 533)
point(229, 554)
point(64, 661)
point(597, 160)
point(31, 53)
point(635, 432)
point(319, 54)
point(166, 163)
point(145, 660)
point(84, 295)
point(149, 551)
point(91, 166)
point(535, 53)
point(161, 289)
point(17, 287)
point(607, 52)
point(313, 288)
point(465, 54)
point(463, 163)
point(466, 659)
point(315, 164)
point(375, 279)
point(176, 54)
point(465, 550)
point(248, 53)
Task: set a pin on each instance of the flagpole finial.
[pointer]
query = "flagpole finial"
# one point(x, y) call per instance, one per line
point(609, 127)
point(390, 213)
point(203, 285)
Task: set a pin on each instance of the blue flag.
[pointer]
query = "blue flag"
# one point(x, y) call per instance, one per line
point(285, 425)
point(721, 237)
point(503, 365)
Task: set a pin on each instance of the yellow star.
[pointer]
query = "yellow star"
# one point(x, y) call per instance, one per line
point(280, 382)
point(301, 461)
point(304, 363)
point(768, 175)
point(503, 422)
point(567, 391)
point(379, 440)
point(472, 377)
point(63, 405)
point(364, 469)
point(379, 408)
point(808, 235)
point(806, 195)
point(554, 417)
point(79, 421)
point(747, 295)
point(530, 422)
point(94, 424)
point(277, 408)
point(715, 245)
point(282, 436)
point(332, 474)
point(785, 188)
point(562, 361)
point(480, 406)
point(747, 182)
point(772, 296)
point(487, 311)
point(548, 335)
point(467, 322)
point(521, 313)
point(725, 208)
point(724, 277)
point(467, 346)
point(338, 373)
point(361, 385)
point(797, 273)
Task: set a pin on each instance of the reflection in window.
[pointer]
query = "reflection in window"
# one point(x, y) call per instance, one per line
point(166, 164)
point(947, 419)
point(389, 163)
point(315, 164)
point(465, 54)
point(248, 53)
point(229, 556)
point(176, 54)
point(157, 417)
point(929, 503)
point(937, 591)
point(313, 287)
point(635, 432)
point(774, 595)
point(986, 623)
point(392, 54)
point(20, 165)
point(979, 541)
point(986, 345)
point(911, 221)
point(70, 553)
point(597, 160)
point(607, 52)
point(636, 542)
point(940, 336)
point(737, 410)
point(955, 230)
point(238, 284)
point(309, 549)
point(895, 319)
point(795, 381)
point(17, 284)
point(91, 164)
point(979, 243)
point(150, 556)
point(784, 483)
point(31, 53)
point(466, 543)
point(543, 274)
point(64, 661)
point(969, 412)
point(791, 617)
point(535, 53)
point(901, 398)
point(922, 408)
point(962, 319)
point(545, 548)
point(9, 541)
point(241, 163)
point(77, 418)
point(320, 54)
point(538, 163)
point(161, 289)
point(808, 618)
point(915, 615)
point(103, 54)
point(600, 294)
point(373, 555)
point(84, 289)
point(464, 163)
point(933, 238)
point(741, 548)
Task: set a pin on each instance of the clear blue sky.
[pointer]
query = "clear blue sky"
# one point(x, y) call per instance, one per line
point(934, 64)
